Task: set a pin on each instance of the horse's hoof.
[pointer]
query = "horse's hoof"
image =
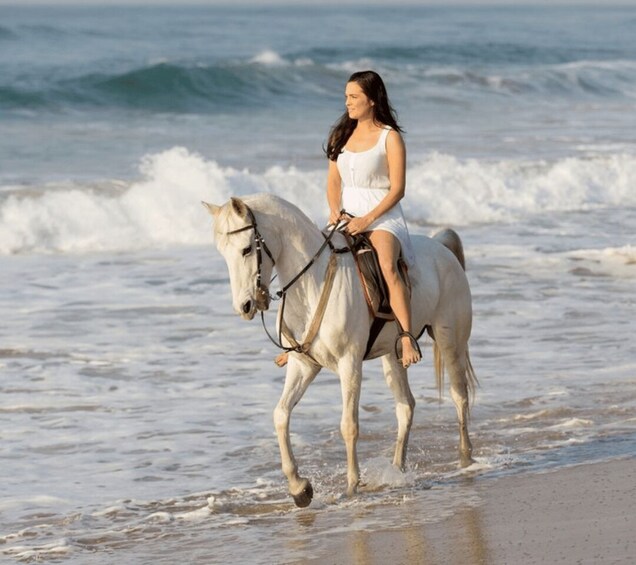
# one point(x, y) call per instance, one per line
point(303, 498)
point(466, 461)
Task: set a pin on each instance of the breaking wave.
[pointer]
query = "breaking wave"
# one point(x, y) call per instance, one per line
point(163, 208)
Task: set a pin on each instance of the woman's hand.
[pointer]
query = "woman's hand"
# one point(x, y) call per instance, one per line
point(358, 225)
point(334, 217)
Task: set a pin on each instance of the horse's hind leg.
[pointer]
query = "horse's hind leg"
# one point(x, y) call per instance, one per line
point(397, 379)
point(456, 362)
point(298, 377)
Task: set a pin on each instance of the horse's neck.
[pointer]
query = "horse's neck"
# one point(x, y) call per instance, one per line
point(298, 249)
point(297, 240)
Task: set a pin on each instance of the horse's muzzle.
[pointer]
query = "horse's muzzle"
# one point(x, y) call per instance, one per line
point(247, 307)
point(258, 303)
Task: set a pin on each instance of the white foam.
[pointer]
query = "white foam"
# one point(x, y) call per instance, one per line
point(588, 64)
point(109, 511)
point(616, 261)
point(270, 58)
point(529, 416)
point(197, 515)
point(444, 189)
point(159, 518)
point(572, 423)
point(163, 207)
point(42, 552)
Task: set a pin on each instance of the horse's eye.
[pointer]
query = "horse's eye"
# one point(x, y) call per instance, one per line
point(246, 250)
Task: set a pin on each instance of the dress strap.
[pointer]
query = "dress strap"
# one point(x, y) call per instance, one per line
point(384, 135)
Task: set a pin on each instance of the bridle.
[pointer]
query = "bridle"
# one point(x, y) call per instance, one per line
point(260, 247)
point(263, 290)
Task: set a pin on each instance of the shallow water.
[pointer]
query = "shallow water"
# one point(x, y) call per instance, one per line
point(137, 406)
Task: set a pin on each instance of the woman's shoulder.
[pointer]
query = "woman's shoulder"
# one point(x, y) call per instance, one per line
point(393, 137)
point(389, 131)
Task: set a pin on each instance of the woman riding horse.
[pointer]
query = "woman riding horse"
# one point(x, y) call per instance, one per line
point(366, 180)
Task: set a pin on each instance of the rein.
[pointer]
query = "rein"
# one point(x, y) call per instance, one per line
point(282, 293)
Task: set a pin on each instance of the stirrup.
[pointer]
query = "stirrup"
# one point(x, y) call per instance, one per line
point(413, 342)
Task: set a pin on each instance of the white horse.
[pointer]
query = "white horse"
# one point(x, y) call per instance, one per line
point(257, 232)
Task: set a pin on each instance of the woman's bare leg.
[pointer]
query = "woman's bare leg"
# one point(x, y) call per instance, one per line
point(387, 247)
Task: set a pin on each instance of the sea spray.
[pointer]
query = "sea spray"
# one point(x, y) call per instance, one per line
point(162, 208)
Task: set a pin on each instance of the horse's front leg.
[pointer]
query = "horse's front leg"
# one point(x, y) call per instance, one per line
point(350, 381)
point(397, 379)
point(299, 376)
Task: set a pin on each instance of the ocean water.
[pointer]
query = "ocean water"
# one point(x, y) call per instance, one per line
point(135, 406)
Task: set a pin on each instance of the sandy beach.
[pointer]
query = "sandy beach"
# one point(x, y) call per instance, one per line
point(583, 515)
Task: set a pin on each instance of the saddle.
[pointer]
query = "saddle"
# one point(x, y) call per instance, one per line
point(373, 284)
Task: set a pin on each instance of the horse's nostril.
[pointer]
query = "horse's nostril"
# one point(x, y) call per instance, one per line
point(247, 307)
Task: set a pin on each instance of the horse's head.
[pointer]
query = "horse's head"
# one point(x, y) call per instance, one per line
point(249, 260)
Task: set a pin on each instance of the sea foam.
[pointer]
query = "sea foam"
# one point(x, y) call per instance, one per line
point(163, 207)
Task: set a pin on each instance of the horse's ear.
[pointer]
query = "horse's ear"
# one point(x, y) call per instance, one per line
point(213, 209)
point(239, 207)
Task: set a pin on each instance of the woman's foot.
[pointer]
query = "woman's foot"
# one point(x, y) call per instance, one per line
point(411, 352)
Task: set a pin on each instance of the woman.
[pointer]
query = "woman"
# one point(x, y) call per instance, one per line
point(366, 179)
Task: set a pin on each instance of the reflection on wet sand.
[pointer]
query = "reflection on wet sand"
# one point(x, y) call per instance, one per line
point(448, 541)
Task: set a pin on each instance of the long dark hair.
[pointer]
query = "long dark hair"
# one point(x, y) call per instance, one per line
point(383, 113)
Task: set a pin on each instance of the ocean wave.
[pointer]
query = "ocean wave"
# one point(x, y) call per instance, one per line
point(455, 191)
point(595, 79)
point(270, 78)
point(163, 207)
point(175, 86)
point(467, 53)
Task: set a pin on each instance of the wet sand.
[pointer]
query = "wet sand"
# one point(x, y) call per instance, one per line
point(583, 515)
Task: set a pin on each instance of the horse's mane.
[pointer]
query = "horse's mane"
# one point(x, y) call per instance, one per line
point(269, 209)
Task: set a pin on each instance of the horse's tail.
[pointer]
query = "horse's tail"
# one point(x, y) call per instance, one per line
point(451, 240)
point(438, 363)
point(471, 378)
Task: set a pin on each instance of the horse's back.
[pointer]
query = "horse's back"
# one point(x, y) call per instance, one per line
point(450, 239)
point(435, 260)
point(441, 294)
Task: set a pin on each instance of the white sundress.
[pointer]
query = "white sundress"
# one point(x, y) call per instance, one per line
point(365, 182)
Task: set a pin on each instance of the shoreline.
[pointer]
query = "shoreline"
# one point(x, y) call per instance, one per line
point(581, 514)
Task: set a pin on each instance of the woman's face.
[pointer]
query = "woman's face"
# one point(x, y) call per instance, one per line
point(359, 106)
